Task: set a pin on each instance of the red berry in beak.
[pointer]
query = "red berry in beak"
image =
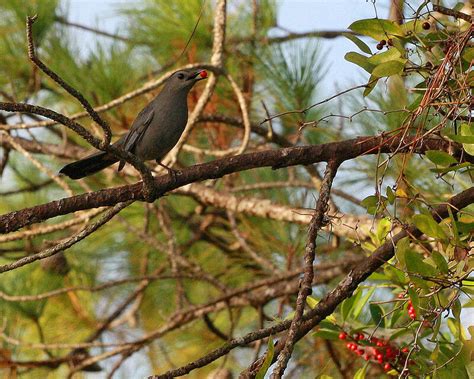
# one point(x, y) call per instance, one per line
point(203, 74)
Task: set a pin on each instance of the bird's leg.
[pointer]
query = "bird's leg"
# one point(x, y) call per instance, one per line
point(171, 172)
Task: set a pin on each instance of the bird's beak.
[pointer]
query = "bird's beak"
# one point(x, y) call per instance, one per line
point(199, 75)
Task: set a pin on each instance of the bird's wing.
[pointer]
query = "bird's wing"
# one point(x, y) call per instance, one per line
point(137, 130)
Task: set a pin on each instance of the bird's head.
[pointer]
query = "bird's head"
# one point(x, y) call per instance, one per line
point(185, 79)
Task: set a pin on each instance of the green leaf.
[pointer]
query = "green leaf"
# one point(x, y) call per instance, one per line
point(376, 311)
point(415, 103)
point(395, 275)
point(455, 327)
point(312, 302)
point(457, 167)
point(440, 158)
point(383, 228)
point(360, 44)
point(360, 60)
point(326, 324)
point(377, 28)
point(268, 359)
point(436, 328)
point(468, 131)
point(455, 231)
point(456, 309)
point(389, 55)
point(360, 374)
point(348, 303)
point(327, 334)
point(415, 264)
point(359, 304)
point(399, 333)
point(390, 195)
point(371, 203)
point(468, 54)
point(370, 86)
point(429, 226)
point(388, 69)
point(470, 370)
point(440, 261)
point(402, 246)
point(461, 139)
point(395, 317)
point(377, 276)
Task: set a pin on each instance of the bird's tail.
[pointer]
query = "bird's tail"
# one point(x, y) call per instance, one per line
point(89, 165)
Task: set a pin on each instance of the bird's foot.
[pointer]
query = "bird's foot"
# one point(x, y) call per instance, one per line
point(171, 172)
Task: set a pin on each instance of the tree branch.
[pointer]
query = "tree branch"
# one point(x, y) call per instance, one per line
point(68, 243)
point(452, 12)
point(342, 151)
point(317, 222)
point(72, 91)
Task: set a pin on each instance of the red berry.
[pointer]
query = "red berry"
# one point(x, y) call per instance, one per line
point(380, 344)
point(387, 367)
point(360, 352)
point(342, 335)
point(354, 347)
point(380, 360)
point(401, 295)
point(379, 356)
point(348, 345)
point(405, 350)
point(360, 336)
point(366, 357)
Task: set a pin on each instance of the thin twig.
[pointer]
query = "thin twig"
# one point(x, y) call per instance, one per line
point(72, 91)
point(317, 222)
point(452, 12)
point(68, 243)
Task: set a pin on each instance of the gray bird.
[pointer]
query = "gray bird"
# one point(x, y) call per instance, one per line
point(155, 131)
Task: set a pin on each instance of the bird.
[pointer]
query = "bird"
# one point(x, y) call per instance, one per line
point(155, 130)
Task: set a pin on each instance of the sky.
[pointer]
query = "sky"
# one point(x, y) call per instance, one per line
point(295, 15)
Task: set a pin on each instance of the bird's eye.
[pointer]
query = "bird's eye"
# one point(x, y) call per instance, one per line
point(180, 76)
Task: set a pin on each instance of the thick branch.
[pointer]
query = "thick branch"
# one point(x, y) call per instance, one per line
point(341, 151)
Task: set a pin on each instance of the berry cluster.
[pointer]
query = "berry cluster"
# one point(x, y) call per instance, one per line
point(426, 26)
point(411, 310)
point(382, 43)
point(374, 349)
